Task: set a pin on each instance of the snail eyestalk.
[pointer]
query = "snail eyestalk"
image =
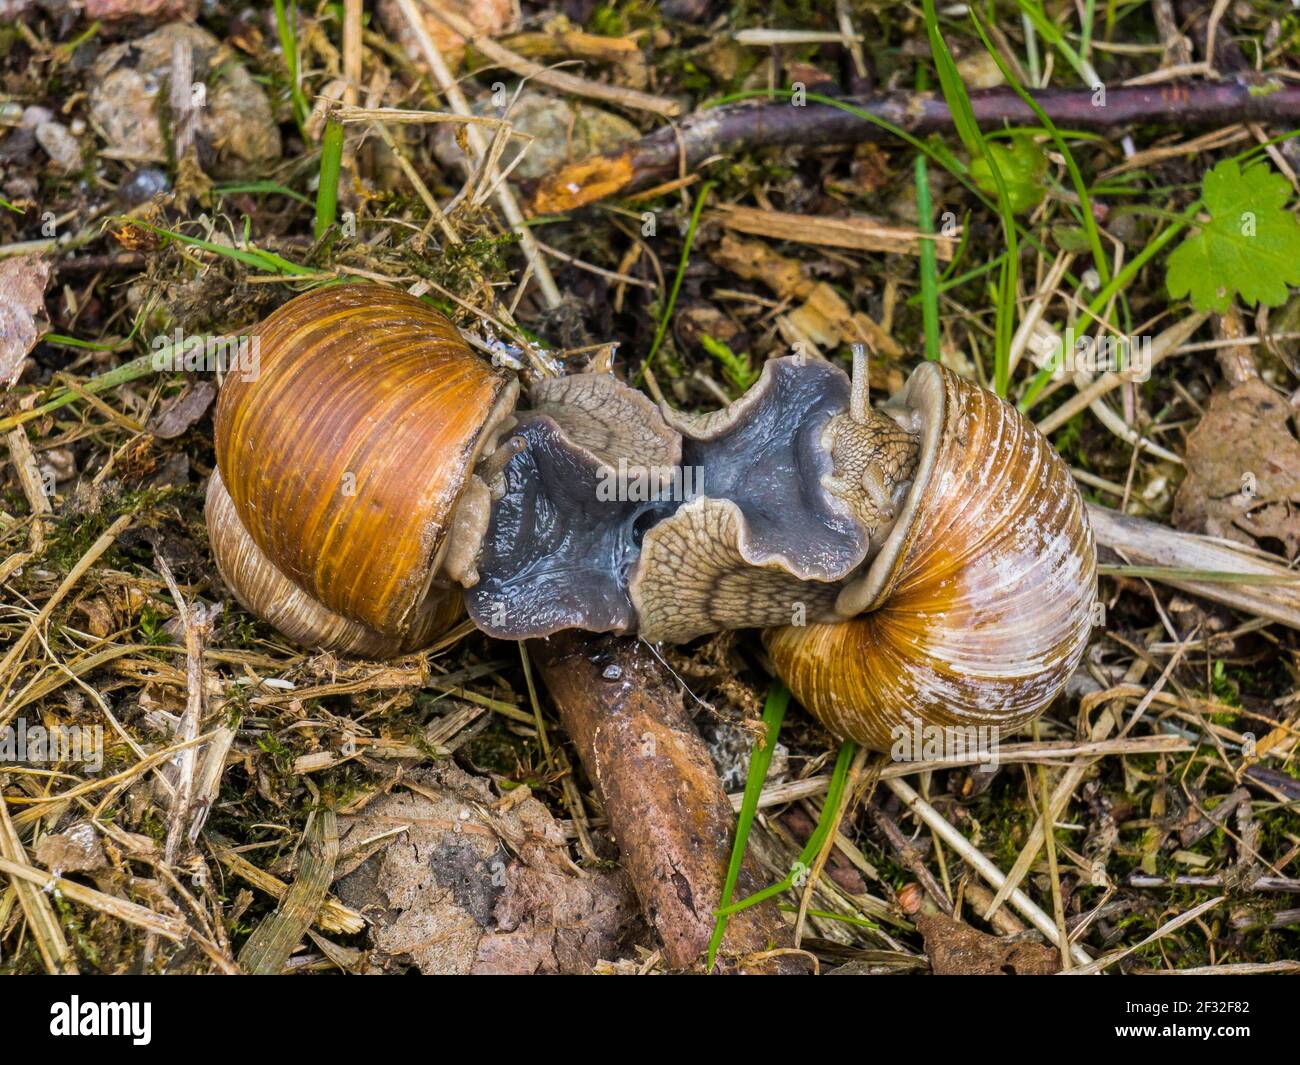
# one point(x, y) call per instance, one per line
point(860, 390)
point(494, 464)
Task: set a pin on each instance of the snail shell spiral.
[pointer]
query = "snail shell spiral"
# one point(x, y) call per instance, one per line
point(978, 607)
point(346, 508)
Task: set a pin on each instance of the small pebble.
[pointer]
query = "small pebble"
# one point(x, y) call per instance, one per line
point(36, 116)
point(141, 186)
point(60, 145)
point(612, 672)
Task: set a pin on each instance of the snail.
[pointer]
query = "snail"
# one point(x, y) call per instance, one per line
point(926, 560)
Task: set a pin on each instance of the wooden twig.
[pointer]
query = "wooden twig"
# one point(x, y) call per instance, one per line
point(1091, 391)
point(181, 98)
point(1244, 968)
point(478, 149)
point(857, 233)
point(661, 155)
point(555, 79)
point(188, 727)
point(910, 857)
point(352, 13)
point(23, 460)
point(1263, 883)
point(128, 912)
point(1048, 753)
point(1148, 543)
point(661, 794)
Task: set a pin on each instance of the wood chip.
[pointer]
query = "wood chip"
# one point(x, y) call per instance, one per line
point(856, 232)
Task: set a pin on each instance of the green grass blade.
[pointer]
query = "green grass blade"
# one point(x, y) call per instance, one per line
point(1087, 219)
point(834, 796)
point(954, 92)
point(331, 162)
point(262, 260)
point(667, 315)
point(1085, 30)
point(1117, 283)
point(929, 262)
point(778, 698)
point(289, 46)
point(262, 188)
point(1047, 29)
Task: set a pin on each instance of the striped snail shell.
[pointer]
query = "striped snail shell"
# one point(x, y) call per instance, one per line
point(978, 606)
point(345, 508)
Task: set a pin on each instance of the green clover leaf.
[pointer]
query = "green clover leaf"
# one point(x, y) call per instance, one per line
point(1250, 247)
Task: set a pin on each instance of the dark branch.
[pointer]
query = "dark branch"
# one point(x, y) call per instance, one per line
point(669, 152)
point(661, 794)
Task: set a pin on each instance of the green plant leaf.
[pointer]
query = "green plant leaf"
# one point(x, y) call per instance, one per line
point(1250, 247)
point(737, 369)
point(1022, 165)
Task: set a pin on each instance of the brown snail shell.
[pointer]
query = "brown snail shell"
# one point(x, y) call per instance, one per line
point(263, 590)
point(348, 460)
point(978, 606)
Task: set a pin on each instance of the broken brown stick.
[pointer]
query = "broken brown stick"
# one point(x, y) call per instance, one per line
point(662, 796)
point(1264, 587)
point(672, 150)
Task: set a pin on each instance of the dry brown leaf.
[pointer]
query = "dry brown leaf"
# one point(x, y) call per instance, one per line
point(1243, 471)
point(74, 850)
point(22, 303)
point(456, 887)
point(957, 949)
point(753, 260)
point(183, 410)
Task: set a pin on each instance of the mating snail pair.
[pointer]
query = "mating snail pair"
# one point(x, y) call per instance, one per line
point(927, 561)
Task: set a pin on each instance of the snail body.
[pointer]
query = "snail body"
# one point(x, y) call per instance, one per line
point(929, 560)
